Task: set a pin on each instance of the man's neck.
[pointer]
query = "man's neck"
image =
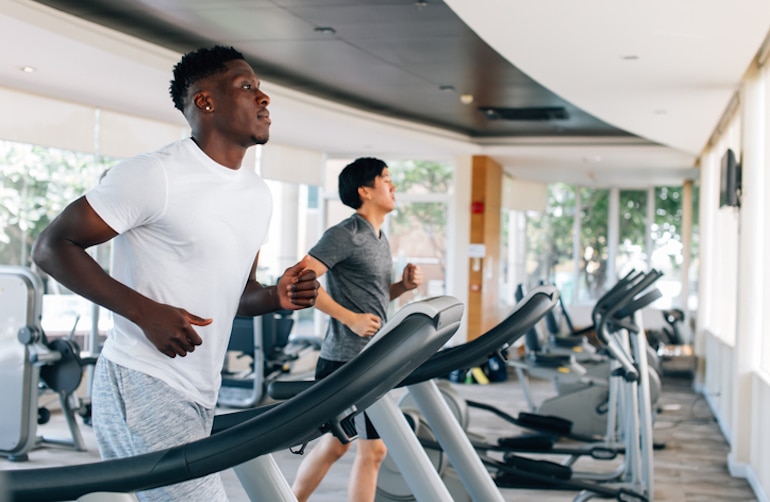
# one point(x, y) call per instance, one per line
point(375, 218)
point(229, 157)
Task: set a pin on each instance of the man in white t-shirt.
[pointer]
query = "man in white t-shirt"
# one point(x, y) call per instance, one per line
point(187, 223)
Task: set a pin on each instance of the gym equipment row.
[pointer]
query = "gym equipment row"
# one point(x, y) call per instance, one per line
point(579, 369)
point(631, 481)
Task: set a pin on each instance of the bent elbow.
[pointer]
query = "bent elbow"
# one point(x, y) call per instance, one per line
point(41, 252)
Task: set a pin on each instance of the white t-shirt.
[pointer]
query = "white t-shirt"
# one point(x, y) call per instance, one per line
point(189, 230)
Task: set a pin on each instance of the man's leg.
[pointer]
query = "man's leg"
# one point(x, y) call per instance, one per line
point(134, 413)
point(316, 464)
point(362, 485)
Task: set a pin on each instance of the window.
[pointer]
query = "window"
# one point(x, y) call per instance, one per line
point(667, 244)
point(632, 231)
point(36, 184)
point(593, 247)
point(648, 234)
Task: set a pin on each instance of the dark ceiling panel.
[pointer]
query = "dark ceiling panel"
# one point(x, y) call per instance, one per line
point(385, 56)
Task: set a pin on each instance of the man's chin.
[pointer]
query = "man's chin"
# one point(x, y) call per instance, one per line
point(260, 140)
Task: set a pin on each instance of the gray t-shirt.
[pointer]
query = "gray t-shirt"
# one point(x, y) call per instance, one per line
point(358, 278)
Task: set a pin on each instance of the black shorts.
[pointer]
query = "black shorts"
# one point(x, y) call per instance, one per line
point(364, 426)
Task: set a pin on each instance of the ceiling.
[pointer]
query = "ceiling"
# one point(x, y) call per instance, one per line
point(604, 92)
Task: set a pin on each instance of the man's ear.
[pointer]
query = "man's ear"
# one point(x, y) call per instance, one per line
point(203, 102)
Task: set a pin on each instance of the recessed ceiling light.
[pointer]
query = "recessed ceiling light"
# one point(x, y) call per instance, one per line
point(629, 57)
point(447, 88)
point(466, 99)
point(28, 69)
point(659, 111)
point(327, 30)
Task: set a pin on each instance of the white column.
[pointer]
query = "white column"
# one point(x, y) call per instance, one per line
point(686, 233)
point(577, 230)
point(289, 222)
point(750, 265)
point(649, 221)
point(458, 239)
point(709, 200)
point(613, 236)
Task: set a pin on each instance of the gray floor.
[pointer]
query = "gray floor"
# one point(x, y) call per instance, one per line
point(691, 467)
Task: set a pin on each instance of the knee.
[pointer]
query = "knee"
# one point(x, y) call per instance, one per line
point(377, 452)
point(336, 449)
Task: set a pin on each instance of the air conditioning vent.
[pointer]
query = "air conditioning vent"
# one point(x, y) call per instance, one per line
point(537, 113)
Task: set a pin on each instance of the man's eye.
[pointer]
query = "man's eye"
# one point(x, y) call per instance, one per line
point(246, 86)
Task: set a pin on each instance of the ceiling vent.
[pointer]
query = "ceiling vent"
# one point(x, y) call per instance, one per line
point(537, 113)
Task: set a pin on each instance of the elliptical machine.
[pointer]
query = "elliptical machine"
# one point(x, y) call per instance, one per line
point(582, 383)
point(677, 357)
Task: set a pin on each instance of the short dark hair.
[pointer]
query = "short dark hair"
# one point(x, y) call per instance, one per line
point(196, 65)
point(361, 172)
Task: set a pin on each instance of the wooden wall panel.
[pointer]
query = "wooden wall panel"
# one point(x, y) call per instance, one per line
point(483, 273)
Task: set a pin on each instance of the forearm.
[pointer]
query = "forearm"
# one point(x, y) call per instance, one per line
point(326, 304)
point(75, 269)
point(397, 289)
point(258, 299)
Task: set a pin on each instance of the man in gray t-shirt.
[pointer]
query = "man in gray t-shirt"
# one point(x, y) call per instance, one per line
point(358, 279)
point(355, 256)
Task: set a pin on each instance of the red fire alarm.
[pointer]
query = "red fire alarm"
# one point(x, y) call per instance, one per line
point(477, 207)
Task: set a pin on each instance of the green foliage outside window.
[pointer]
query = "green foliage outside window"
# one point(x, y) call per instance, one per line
point(422, 177)
point(550, 235)
point(36, 183)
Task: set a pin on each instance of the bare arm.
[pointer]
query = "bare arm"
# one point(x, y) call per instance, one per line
point(60, 250)
point(296, 289)
point(410, 279)
point(362, 324)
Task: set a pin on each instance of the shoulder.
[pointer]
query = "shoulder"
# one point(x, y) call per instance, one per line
point(347, 226)
point(155, 160)
point(143, 169)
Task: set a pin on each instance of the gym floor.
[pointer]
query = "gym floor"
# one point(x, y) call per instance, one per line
point(691, 468)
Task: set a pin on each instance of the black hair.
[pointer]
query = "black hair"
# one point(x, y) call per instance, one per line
point(361, 172)
point(196, 65)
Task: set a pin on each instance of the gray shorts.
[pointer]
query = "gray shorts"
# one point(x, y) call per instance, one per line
point(134, 413)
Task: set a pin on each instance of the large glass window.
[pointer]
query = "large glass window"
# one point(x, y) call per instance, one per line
point(36, 183)
point(632, 223)
point(417, 233)
point(593, 247)
point(666, 234)
point(549, 249)
point(581, 270)
point(417, 229)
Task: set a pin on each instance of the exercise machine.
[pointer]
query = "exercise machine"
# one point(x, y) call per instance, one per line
point(244, 439)
point(265, 342)
point(442, 424)
point(20, 303)
point(632, 482)
point(31, 364)
point(582, 384)
point(676, 356)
